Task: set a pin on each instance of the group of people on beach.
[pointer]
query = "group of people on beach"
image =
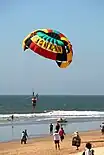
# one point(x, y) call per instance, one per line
point(76, 141)
point(24, 137)
point(58, 135)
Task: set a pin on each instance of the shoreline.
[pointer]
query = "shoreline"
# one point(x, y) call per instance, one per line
point(43, 136)
point(45, 145)
point(32, 138)
point(7, 133)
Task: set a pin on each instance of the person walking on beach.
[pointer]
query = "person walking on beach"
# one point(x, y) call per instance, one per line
point(76, 140)
point(56, 140)
point(51, 129)
point(61, 133)
point(88, 150)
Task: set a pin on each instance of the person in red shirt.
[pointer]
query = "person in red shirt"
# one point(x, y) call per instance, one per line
point(34, 100)
point(61, 133)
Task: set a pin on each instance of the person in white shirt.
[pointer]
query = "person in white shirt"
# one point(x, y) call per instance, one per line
point(56, 137)
point(102, 128)
point(22, 137)
point(89, 150)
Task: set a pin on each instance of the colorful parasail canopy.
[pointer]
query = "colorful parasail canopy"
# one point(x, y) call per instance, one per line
point(50, 44)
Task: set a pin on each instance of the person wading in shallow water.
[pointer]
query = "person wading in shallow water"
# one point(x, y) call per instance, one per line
point(51, 129)
point(57, 127)
point(12, 117)
point(24, 137)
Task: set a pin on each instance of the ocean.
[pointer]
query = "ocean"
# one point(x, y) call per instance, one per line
point(74, 108)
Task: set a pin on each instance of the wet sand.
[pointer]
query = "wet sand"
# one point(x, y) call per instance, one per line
point(45, 146)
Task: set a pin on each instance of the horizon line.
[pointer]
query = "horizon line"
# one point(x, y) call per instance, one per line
point(54, 94)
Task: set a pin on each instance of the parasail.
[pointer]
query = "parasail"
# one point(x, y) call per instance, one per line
point(50, 44)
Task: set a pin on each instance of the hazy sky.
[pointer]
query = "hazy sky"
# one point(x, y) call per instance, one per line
point(82, 21)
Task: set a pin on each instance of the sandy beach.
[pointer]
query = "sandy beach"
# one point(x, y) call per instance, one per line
point(45, 146)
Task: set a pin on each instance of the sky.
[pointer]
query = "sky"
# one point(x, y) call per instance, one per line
point(81, 21)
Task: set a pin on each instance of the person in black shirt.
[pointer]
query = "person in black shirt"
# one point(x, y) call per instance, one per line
point(57, 127)
point(51, 129)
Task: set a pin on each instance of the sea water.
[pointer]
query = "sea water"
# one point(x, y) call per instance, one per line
point(82, 113)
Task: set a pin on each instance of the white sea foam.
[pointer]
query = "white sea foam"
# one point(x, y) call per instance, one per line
point(55, 114)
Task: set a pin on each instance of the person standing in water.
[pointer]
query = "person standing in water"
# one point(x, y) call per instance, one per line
point(12, 117)
point(51, 129)
point(24, 137)
point(57, 127)
point(26, 133)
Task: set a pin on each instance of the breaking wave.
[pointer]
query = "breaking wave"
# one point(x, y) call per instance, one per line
point(56, 114)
